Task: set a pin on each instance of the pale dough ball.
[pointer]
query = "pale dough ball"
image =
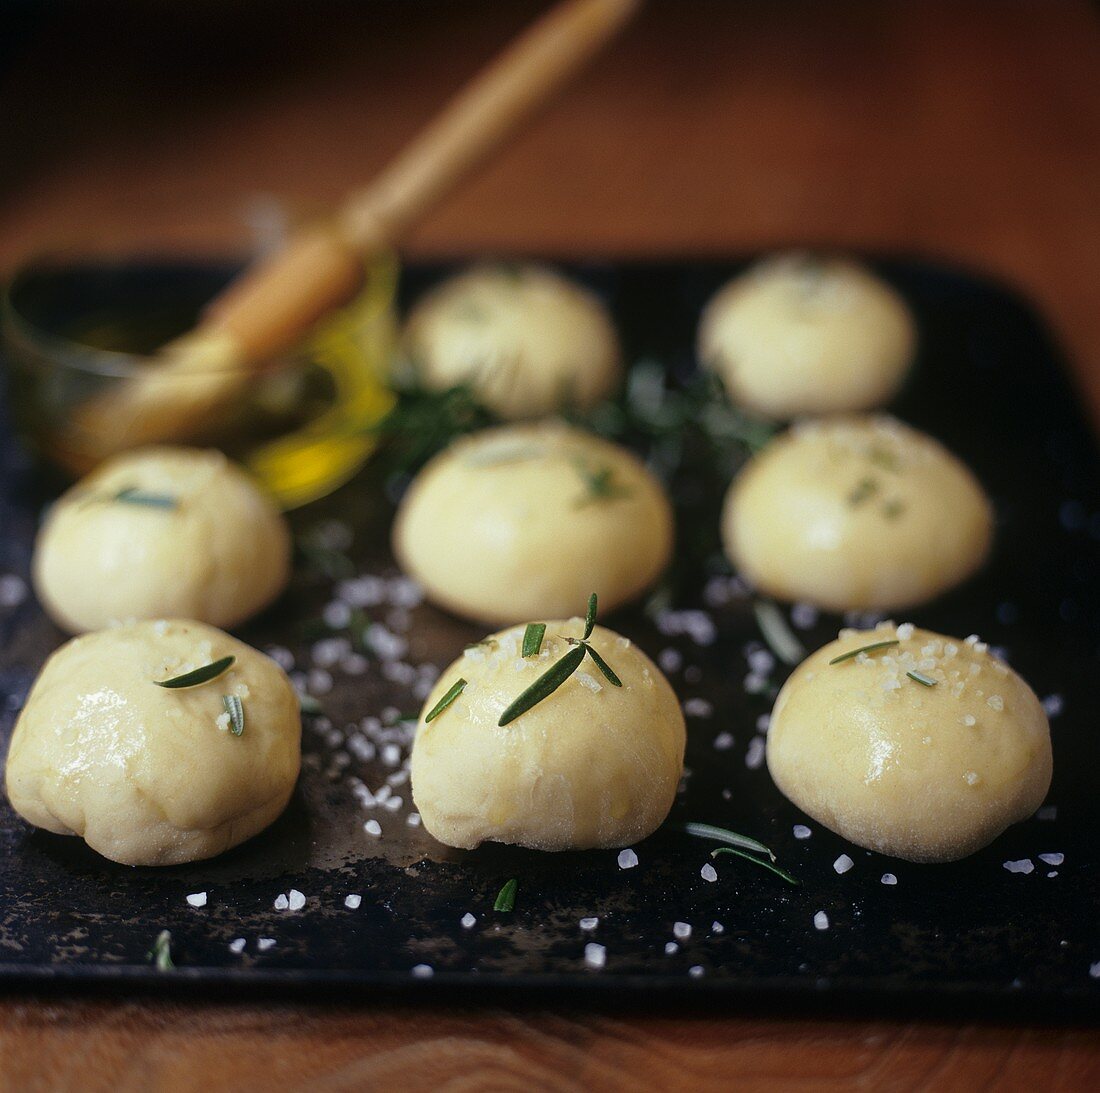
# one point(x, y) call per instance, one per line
point(144, 774)
point(798, 334)
point(858, 513)
point(592, 765)
point(925, 773)
point(524, 521)
point(525, 339)
point(158, 533)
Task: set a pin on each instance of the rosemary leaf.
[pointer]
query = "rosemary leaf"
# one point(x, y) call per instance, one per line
point(589, 618)
point(920, 677)
point(235, 708)
point(779, 871)
point(545, 685)
point(603, 666)
point(532, 638)
point(506, 897)
point(776, 632)
point(723, 835)
point(599, 484)
point(865, 488)
point(161, 952)
point(309, 706)
point(455, 690)
point(893, 509)
point(199, 676)
point(131, 495)
point(863, 649)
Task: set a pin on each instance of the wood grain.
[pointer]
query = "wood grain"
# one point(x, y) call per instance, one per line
point(968, 131)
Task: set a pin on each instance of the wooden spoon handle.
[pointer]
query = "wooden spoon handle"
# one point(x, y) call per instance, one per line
point(275, 301)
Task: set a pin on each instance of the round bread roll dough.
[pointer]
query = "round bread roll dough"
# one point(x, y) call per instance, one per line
point(925, 773)
point(859, 513)
point(799, 334)
point(527, 340)
point(524, 521)
point(158, 533)
point(148, 775)
point(591, 765)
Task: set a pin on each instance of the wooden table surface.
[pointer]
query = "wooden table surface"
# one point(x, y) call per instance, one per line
point(967, 131)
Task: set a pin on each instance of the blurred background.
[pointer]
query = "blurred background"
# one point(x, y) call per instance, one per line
point(962, 130)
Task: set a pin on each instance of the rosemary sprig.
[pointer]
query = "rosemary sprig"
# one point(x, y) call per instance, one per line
point(235, 708)
point(599, 484)
point(506, 897)
point(921, 678)
point(199, 676)
point(864, 649)
point(722, 835)
point(865, 488)
point(893, 509)
point(590, 617)
point(603, 666)
point(776, 632)
point(131, 495)
point(161, 952)
point(884, 458)
point(545, 685)
point(532, 638)
point(779, 871)
point(455, 690)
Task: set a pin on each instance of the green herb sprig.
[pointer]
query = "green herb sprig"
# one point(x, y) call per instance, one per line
point(506, 897)
point(921, 678)
point(776, 632)
point(235, 708)
point(741, 846)
point(453, 692)
point(599, 484)
point(199, 676)
point(852, 653)
point(532, 638)
point(161, 952)
point(778, 870)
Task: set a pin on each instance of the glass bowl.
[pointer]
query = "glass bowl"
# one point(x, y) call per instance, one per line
point(80, 334)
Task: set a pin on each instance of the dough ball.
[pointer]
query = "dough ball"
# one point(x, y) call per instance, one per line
point(925, 773)
point(859, 513)
point(592, 765)
point(524, 521)
point(527, 340)
point(799, 334)
point(144, 774)
point(161, 533)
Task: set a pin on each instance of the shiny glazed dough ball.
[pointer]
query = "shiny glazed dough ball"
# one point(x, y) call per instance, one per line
point(925, 773)
point(527, 340)
point(858, 513)
point(524, 521)
point(148, 775)
point(798, 334)
point(159, 533)
point(592, 765)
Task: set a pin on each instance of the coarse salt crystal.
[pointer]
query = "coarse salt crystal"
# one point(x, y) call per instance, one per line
point(468, 921)
point(905, 631)
point(1094, 970)
point(413, 819)
point(373, 827)
point(969, 720)
point(681, 931)
point(1052, 859)
point(296, 900)
point(1053, 705)
point(265, 943)
point(393, 804)
point(670, 660)
point(698, 707)
point(281, 902)
point(995, 702)
point(237, 945)
point(889, 879)
point(589, 682)
point(717, 928)
point(13, 590)
point(423, 971)
point(595, 956)
point(821, 921)
point(803, 615)
point(754, 755)
point(627, 859)
point(843, 864)
point(1024, 865)
point(723, 741)
point(353, 902)
point(671, 947)
point(709, 873)
point(197, 899)
point(695, 971)
point(801, 831)
point(764, 722)
point(972, 777)
point(589, 924)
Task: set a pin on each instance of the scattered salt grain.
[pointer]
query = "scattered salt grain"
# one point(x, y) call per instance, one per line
point(589, 924)
point(717, 928)
point(589, 682)
point(801, 831)
point(595, 956)
point(803, 615)
point(723, 741)
point(1048, 812)
point(237, 945)
point(423, 971)
point(969, 720)
point(889, 878)
point(281, 902)
point(1053, 705)
point(843, 864)
point(754, 756)
point(296, 900)
point(698, 707)
point(695, 971)
point(1024, 865)
point(353, 902)
point(413, 819)
point(1094, 970)
point(283, 657)
point(198, 899)
point(627, 859)
point(265, 943)
point(374, 828)
point(468, 921)
point(995, 702)
point(905, 631)
point(681, 931)
point(1052, 859)
point(319, 682)
point(821, 921)
point(393, 804)
point(670, 660)
point(671, 948)
point(708, 873)
point(13, 590)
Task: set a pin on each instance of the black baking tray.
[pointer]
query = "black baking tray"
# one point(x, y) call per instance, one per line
point(989, 382)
